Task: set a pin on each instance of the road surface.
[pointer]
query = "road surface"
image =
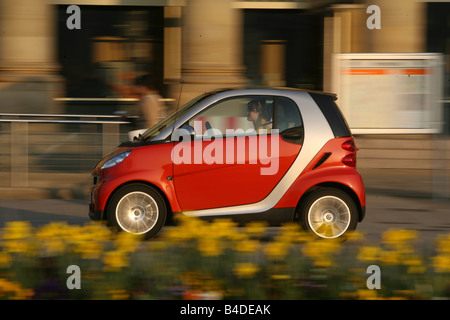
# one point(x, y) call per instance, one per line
point(428, 217)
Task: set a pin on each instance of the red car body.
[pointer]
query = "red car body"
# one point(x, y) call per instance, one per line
point(325, 178)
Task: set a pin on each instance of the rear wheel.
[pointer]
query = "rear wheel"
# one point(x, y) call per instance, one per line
point(138, 209)
point(329, 213)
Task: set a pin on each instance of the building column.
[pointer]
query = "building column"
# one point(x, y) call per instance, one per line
point(403, 26)
point(212, 56)
point(273, 60)
point(28, 80)
point(344, 32)
point(172, 44)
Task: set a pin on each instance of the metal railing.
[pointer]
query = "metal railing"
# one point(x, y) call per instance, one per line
point(47, 144)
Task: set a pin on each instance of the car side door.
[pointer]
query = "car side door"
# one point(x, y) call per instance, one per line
point(231, 162)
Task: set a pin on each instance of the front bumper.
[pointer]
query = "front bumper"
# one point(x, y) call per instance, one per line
point(362, 214)
point(96, 215)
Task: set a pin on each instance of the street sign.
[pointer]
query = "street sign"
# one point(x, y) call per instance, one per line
point(389, 93)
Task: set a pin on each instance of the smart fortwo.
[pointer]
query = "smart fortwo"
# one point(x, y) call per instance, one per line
point(276, 155)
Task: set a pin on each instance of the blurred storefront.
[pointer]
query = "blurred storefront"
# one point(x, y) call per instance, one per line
point(190, 45)
point(29, 68)
point(193, 46)
point(203, 44)
point(438, 40)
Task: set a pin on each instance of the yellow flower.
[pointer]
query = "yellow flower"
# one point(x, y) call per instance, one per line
point(236, 235)
point(210, 247)
point(323, 262)
point(115, 260)
point(443, 244)
point(247, 246)
point(366, 294)
point(391, 257)
point(119, 294)
point(245, 269)
point(355, 236)
point(276, 250)
point(441, 263)
point(13, 290)
point(399, 237)
point(369, 253)
point(292, 233)
point(17, 236)
point(90, 249)
point(321, 251)
point(256, 228)
point(175, 235)
point(189, 228)
point(404, 294)
point(226, 229)
point(88, 240)
point(281, 277)
point(412, 260)
point(418, 269)
point(5, 260)
point(17, 230)
point(127, 242)
point(52, 238)
point(97, 231)
point(222, 227)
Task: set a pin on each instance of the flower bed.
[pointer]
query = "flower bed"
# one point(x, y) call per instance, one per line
point(200, 260)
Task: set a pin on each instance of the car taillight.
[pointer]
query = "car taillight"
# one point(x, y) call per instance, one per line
point(349, 145)
point(350, 159)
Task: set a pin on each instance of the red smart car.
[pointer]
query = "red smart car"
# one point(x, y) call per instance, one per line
point(277, 155)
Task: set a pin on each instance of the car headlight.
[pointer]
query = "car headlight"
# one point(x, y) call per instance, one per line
point(116, 159)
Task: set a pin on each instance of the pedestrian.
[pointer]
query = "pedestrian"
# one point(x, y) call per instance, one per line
point(151, 106)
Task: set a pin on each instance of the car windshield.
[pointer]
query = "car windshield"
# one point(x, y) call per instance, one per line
point(169, 120)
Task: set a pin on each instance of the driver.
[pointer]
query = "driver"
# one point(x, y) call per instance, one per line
point(257, 113)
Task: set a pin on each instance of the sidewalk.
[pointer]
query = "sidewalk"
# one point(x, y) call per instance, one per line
point(67, 186)
point(424, 184)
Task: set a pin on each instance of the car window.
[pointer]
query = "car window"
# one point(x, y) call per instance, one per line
point(244, 115)
point(154, 131)
point(332, 113)
point(287, 114)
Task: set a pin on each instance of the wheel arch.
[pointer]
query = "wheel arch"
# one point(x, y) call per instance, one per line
point(143, 182)
point(335, 185)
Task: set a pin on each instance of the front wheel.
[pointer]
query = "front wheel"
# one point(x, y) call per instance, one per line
point(328, 213)
point(138, 209)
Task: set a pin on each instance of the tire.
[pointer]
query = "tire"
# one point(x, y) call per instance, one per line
point(138, 209)
point(329, 213)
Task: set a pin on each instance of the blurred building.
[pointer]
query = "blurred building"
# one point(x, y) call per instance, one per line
point(206, 44)
point(193, 46)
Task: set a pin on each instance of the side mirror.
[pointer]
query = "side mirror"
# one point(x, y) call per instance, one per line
point(184, 133)
point(135, 134)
